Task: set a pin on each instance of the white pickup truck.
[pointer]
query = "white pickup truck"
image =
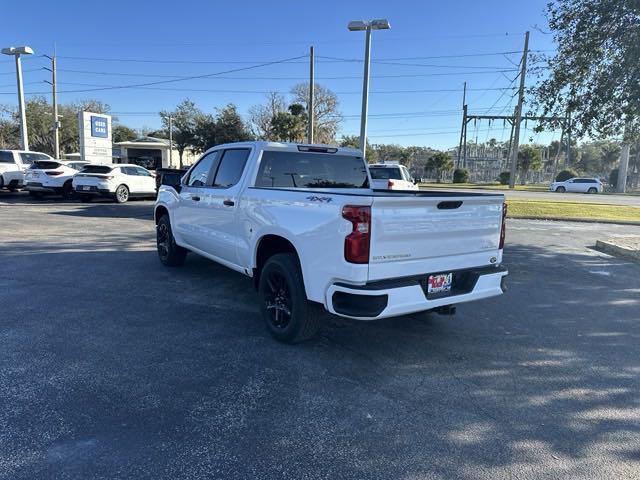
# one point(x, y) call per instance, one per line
point(303, 221)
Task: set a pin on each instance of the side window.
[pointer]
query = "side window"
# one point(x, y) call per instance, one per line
point(142, 172)
point(128, 170)
point(202, 171)
point(231, 167)
point(6, 157)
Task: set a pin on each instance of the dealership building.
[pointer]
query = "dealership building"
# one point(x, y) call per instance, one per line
point(151, 153)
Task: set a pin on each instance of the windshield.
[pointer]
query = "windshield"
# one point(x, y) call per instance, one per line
point(386, 173)
point(311, 170)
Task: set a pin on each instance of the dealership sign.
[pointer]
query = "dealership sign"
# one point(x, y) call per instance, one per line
point(95, 137)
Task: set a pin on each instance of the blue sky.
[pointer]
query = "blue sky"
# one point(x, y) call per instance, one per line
point(219, 36)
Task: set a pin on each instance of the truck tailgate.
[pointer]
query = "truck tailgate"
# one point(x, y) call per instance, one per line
point(417, 234)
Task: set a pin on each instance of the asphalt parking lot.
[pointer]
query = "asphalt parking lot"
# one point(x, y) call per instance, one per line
point(113, 366)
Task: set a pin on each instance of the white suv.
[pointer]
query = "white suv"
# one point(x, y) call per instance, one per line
point(14, 163)
point(52, 177)
point(119, 182)
point(580, 185)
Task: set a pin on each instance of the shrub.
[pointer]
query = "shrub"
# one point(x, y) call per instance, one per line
point(566, 175)
point(503, 178)
point(460, 175)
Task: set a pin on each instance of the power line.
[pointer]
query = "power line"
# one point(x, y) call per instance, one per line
point(344, 77)
point(181, 79)
point(352, 92)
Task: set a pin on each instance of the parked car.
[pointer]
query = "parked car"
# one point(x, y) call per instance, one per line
point(118, 182)
point(581, 185)
point(14, 163)
point(169, 176)
point(52, 177)
point(304, 222)
point(386, 176)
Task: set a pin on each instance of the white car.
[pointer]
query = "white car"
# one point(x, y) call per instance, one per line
point(387, 176)
point(117, 181)
point(13, 165)
point(580, 185)
point(304, 222)
point(52, 177)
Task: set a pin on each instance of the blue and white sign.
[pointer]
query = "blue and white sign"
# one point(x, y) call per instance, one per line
point(99, 126)
point(95, 137)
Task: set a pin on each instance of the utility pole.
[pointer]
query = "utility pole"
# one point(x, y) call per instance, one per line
point(464, 121)
point(518, 119)
point(170, 141)
point(622, 169)
point(56, 123)
point(310, 113)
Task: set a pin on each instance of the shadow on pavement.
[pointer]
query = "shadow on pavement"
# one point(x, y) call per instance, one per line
point(113, 363)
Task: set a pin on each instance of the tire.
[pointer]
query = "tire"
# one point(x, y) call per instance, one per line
point(289, 316)
point(592, 190)
point(1, 182)
point(122, 194)
point(67, 190)
point(85, 198)
point(561, 190)
point(170, 253)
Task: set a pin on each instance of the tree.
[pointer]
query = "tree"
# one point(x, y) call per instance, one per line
point(385, 152)
point(224, 127)
point(353, 141)
point(260, 116)
point(528, 159)
point(122, 133)
point(460, 175)
point(184, 118)
point(566, 175)
point(290, 126)
point(439, 162)
point(326, 117)
point(594, 75)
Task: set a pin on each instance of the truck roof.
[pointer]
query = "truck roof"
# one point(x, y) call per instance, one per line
point(288, 146)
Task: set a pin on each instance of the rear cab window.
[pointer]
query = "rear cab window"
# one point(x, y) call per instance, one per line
point(29, 157)
point(287, 169)
point(386, 173)
point(6, 157)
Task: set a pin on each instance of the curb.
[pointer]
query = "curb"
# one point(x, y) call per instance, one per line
point(618, 251)
point(576, 219)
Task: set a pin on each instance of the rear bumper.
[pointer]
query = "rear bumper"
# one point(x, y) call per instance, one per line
point(391, 298)
point(94, 191)
point(39, 187)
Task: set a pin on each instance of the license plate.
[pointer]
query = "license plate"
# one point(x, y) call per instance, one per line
point(439, 283)
point(86, 187)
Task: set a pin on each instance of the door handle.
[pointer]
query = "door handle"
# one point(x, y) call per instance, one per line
point(228, 203)
point(195, 198)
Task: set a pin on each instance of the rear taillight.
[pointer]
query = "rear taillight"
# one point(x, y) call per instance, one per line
point(53, 173)
point(390, 184)
point(356, 244)
point(502, 228)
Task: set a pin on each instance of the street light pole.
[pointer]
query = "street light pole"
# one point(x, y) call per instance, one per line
point(16, 52)
point(367, 26)
point(365, 92)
